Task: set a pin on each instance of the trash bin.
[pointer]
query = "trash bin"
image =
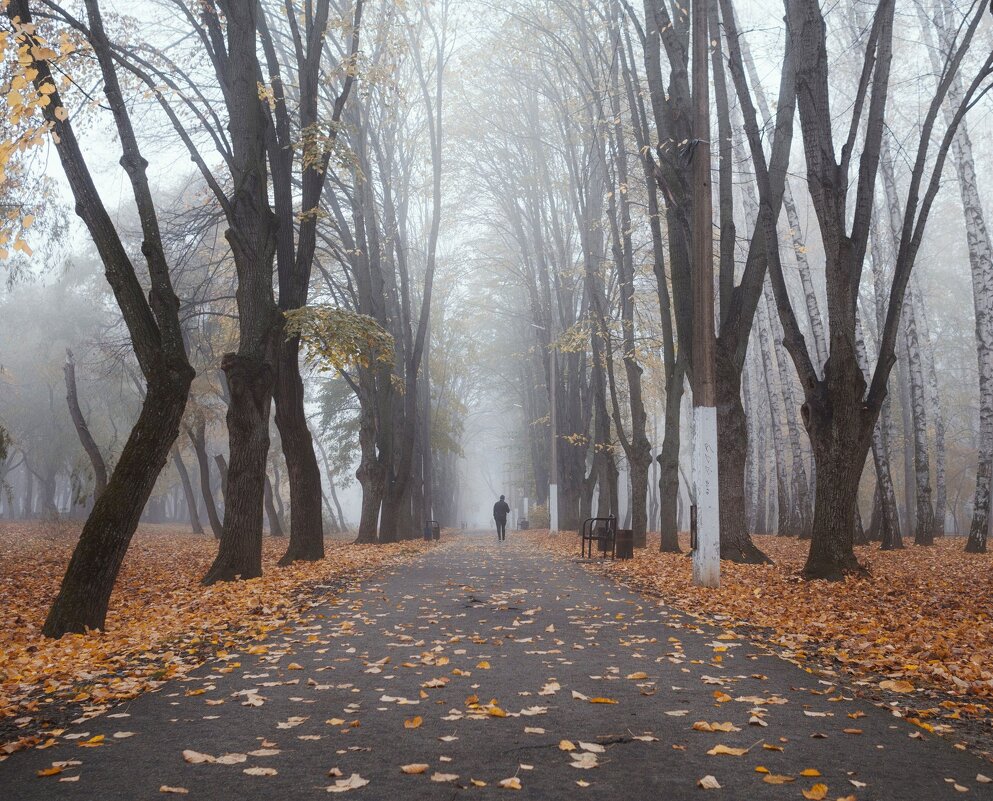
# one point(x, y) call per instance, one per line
point(524, 524)
point(625, 543)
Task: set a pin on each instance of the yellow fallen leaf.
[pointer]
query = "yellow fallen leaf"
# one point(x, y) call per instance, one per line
point(897, 686)
point(413, 723)
point(484, 665)
point(810, 772)
point(414, 768)
point(52, 771)
point(294, 666)
point(602, 701)
point(637, 676)
point(566, 745)
point(816, 793)
point(477, 783)
point(702, 725)
point(774, 778)
point(724, 749)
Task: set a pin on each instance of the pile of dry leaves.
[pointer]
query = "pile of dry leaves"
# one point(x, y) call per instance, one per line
point(923, 619)
point(162, 622)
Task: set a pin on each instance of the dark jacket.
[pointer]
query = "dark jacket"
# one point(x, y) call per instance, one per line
point(500, 511)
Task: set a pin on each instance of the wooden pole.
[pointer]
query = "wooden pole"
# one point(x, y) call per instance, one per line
point(706, 554)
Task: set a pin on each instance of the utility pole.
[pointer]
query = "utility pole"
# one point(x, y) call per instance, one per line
point(553, 476)
point(707, 540)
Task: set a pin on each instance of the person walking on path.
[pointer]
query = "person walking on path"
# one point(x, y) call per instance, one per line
point(500, 511)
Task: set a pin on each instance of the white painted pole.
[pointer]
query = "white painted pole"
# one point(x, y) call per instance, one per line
point(707, 554)
point(553, 508)
point(707, 550)
point(553, 485)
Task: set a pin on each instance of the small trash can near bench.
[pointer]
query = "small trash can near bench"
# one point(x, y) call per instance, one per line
point(625, 543)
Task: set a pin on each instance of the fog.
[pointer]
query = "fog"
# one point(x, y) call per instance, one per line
point(501, 193)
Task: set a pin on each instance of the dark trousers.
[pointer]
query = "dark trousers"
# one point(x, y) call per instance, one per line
point(501, 529)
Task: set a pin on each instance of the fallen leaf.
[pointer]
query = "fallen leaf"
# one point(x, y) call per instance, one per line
point(353, 782)
point(413, 723)
point(816, 793)
point(260, 771)
point(584, 760)
point(724, 749)
point(708, 782)
point(513, 783)
point(415, 768)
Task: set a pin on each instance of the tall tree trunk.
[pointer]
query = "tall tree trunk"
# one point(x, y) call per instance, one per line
point(191, 498)
point(83, 430)
point(306, 523)
point(198, 436)
point(841, 433)
point(981, 263)
point(252, 235)
point(788, 517)
point(48, 506)
point(885, 528)
point(924, 531)
point(275, 527)
point(85, 593)
point(915, 412)
point(762, 462)
point(937, 413)
point(732, 436)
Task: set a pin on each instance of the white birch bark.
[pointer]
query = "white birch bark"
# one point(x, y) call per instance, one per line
point(981, 263)
point(787, 519)
point(924, 509)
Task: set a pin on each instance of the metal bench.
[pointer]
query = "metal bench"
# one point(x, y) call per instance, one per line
point(603, 532)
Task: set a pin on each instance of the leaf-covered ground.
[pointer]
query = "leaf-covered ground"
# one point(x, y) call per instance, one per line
point(919, 632)
point(497, 670)
point(162, 622)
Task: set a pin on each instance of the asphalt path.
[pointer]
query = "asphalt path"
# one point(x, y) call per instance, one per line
point(483, 663)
